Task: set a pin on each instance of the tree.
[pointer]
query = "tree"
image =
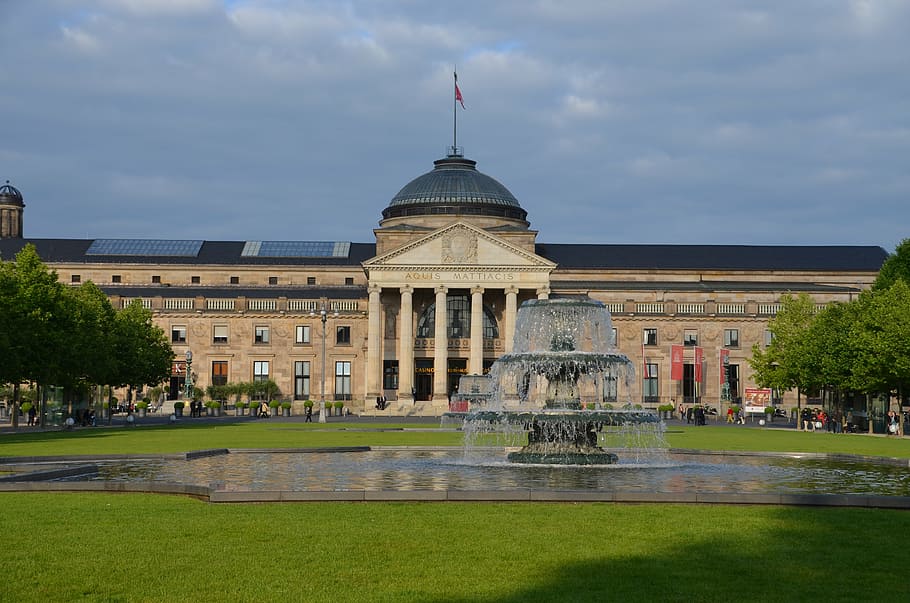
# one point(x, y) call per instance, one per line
point(882, 332)
point(896, 266)
point(785, 363)
point(143, 354)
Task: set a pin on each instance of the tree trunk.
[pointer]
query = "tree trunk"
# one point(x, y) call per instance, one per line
point(15, 418)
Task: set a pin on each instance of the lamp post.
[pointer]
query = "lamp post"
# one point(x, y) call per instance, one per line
point(188, 381)
point(323, 316)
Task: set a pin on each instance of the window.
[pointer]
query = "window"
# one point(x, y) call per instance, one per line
point(261, 334)
point(458, 320)
point(302, 334)
point(178, 334)
point(219, 372)
point(610, 388)
point(690, 337)
point(343, 335)
point(311, 280)
point(156, 279)
point(273, 280)
point(115, 278)
point(390, 374)
point(769, 337)
point(649, 337)
point(260, 370)
point(301, 379)
point(235, 280)
point(614, 337)
point(195, 280)
point(649, 386)
point(220, 334)
point(731, 338)
point(349, 280)
point(75, 278)
point(343, 380)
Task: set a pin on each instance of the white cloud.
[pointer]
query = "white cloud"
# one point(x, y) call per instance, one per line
point(80, 40)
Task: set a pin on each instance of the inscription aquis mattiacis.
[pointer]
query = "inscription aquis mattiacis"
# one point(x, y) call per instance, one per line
point(470, 276)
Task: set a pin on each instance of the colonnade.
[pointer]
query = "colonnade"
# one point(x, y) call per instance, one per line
point(405, 351)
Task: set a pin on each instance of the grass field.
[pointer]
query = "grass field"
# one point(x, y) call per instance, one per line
point(139, 547)
point(99, 547)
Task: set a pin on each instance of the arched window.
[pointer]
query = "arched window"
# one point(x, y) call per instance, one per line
point(458, 323)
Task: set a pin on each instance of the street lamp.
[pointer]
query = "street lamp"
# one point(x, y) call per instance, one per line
point(188, 382)
point(725, 389)
point(323, 316)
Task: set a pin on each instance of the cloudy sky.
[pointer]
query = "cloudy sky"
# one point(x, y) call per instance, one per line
point(653, 121)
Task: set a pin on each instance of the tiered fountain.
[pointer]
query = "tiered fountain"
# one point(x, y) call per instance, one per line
point(553, 385)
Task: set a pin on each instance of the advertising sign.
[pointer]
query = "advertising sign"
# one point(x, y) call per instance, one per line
point(755, 399)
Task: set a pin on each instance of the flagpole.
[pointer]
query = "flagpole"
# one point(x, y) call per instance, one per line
point(455, 113)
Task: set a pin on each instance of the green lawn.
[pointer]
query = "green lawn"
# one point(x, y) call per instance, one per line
point(105, 547)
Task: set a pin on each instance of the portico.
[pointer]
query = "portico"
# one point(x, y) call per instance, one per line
point(479, 278)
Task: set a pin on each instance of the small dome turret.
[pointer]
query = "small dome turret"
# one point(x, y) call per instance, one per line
point(11, 207)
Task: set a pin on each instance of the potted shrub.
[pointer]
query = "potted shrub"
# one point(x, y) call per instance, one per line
point(769, 413)
point(105, 410)
point(665, 410)
point(240, 408)
point(338, 406)
point(178, 408)
point(142, 407)
point(273, 408)
point(286, 409)
point(215, 407)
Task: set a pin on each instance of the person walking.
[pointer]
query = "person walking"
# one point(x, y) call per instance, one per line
point(308, 413)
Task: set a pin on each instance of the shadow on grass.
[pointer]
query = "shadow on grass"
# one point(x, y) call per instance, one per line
point(805, 555)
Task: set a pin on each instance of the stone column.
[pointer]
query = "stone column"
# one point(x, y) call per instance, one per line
point(475, 359)
point(509, 318)
point(543, 293)
point(374, 345)
point(441, 351)
point(406, 345)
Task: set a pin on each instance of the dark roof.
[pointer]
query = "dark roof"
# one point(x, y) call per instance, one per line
point(825, 258)
point(211, 252)
point(454, 186)
point(834, 258)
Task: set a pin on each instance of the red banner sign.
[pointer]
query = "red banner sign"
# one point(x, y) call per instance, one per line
point(676, 362)
point(699, 363)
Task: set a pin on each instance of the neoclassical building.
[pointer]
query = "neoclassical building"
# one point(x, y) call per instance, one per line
point(353, 321)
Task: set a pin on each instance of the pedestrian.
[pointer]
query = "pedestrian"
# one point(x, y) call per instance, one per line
point(31, 415)
point(308, 413)
point(730, 415)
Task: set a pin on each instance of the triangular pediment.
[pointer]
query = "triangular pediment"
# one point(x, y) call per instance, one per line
point(459, 245)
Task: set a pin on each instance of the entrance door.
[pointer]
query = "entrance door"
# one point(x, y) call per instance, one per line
point(423, 379)
point(457, 368)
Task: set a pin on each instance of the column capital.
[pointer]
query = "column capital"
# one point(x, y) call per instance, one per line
point(441, 289)
point(511, 289)
point(406, 289)
point(374, 288)
point(477, 289)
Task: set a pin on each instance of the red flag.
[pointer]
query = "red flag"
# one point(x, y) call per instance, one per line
point(699, 363)
point(676, 362)
point(644, 363)
point(724, 355)
point(458, 96)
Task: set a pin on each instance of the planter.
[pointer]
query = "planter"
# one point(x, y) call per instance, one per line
point(273, 412)
point(106, 413)
point(178, 412)
point(142, 412)
point(285, 412)
point(217, 410)
point(238, 412)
